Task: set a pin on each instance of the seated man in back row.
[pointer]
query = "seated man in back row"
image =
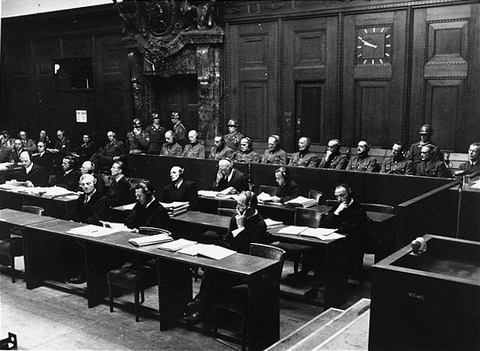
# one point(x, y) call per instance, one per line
point(246, 226)
point(180, 189)
point(363, 162)
point(472, 166)
point(229, 177)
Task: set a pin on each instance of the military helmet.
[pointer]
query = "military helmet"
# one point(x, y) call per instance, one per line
point(426, 129)
point(232, 123)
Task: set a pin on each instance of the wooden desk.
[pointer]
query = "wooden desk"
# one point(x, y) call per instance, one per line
point(9, 171)
point(44, 239)
point(56, 207)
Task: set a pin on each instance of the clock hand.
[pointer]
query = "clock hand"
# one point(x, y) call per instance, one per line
point(368, 44)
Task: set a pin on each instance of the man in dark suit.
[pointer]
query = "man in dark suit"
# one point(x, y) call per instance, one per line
point(147, 211)
point(16, 151)
point(119, 192)
point(43, 157)
point(90, 208)
point(31, 173)
point(180, 189)
point(472, 166)
point(229, 177)
point(287, 188)
point(67, 178)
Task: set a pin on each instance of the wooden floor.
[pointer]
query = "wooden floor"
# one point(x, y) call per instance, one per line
point(50, 319)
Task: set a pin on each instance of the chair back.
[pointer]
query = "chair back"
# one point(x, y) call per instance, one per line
point(331, 202)
point(269, 189)
point(226, 211)
point(377, 207)
point(33, 209)
point(135, 181)
point(268, 251)
point(307, 217)
point(316, 195)
point(227, 207)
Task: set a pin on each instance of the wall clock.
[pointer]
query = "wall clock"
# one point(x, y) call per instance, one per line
point(374, 45)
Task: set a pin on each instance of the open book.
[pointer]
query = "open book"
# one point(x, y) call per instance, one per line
point(176, 245)
point(211, 251)
point(150, 240)
point(301, 201)
point(319, 233)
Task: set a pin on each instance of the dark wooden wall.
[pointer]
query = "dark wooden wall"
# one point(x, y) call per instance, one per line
point(31, 45)
point(293, 68)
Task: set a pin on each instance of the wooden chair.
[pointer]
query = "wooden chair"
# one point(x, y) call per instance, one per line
point(316, 195)
point(13, 246)
point(331, 202)
point(303, 217)
point(269, 189)
point(135, 278)
point(235, 299)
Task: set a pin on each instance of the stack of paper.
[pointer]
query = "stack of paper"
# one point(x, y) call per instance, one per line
point(175, 208)
point(211, 251)
point(92, 230)
point(319, 233)
point(272, 224)
point(150, 240)
point(176, 245)
point(301, 201)
point(264, 197)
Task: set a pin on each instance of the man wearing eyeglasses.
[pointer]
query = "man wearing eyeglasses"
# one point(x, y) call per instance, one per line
point(429, 165)
point(333, 159)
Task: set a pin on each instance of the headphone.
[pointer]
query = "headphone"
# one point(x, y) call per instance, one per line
point(249, 141)
point(346, 187)
point(284, 171)
point(248, 200)
point(147, 187)
point(276, 137)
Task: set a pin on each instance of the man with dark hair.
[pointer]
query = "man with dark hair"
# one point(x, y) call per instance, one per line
point(287, 188)
point(220, 150)
point(179, 130)
point(62, 145)
point(246, 154)
point(194, 149)
point(156, 132)
point(414, 153)
point(68, 177)
point(429, 165)
point(119, 192)
point(171, 147)
point(32, 174)
point(113, 151)
point(85, 151)
point(138, 140)
point(397, 163)
point(363, 162)
point(16, 151)
point(229, 177)
point(303, 158)
point(148, 212)
point(333, 159)
point(472, 166)
point(43, 157)
point(246, 226)
point(274, 154)
point(179, 189)
point(5, 149)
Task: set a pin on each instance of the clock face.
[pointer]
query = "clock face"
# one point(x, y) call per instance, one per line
point(374, 45)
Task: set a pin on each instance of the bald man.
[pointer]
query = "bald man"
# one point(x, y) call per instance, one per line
point(179, 189)
point(194, 149)
point(228, 176)
point(32, 174)
point(171, 147)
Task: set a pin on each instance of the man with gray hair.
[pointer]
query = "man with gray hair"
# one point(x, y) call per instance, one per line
point(32, 174)
point(194, 149)
point(113, 151)
point(333, 159)
point(171, 147)
point(88, 167)
point(304, 158)
point(229, 177)
point(220, 150)
point(363, 162)
point(429, 165)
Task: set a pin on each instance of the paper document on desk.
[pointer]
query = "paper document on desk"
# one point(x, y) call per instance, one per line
point(211, 251)
point(319, 233)
point(13, 184)
point(292, 229)
point(150, 240)
point(208, 193)
point(272, 224)
point(176, 245)
point(301, 201)
point(264, 197)
point(92, 231)
point(117, 227)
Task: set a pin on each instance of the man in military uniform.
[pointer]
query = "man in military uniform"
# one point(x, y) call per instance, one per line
point(363, 162)
point(425, 133)
point(194, 149)
point(138, 139)
point(304, 158)
point(179, 130)
point(274, 154)
point(232, 139)
point(333, 159)
point(430, 166)
point(171, 147)
point(220, 150)
point(156, 132)
point(62, 146)
point(113, 151)
point(246, 154)
point(472, 166)
point(397, 163)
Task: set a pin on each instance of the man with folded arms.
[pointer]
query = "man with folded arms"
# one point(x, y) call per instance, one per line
point(229, 177)
point(274, 154)
point(246, 226)
point(113, 151)
point(333, 159)
point(180, 189)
